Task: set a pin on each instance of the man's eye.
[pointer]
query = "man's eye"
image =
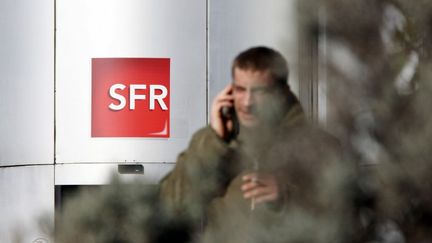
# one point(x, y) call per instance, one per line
point(239, 89)
point(261, 91)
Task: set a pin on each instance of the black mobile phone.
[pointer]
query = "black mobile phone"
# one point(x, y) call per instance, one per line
point(229, 113)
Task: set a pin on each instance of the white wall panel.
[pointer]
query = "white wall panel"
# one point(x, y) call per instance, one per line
point(26, 195)
point(101, 174)
point(237, 25)
point(128, 28)
point(26, 82)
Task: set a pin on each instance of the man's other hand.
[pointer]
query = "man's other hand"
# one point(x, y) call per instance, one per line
point(260, 187)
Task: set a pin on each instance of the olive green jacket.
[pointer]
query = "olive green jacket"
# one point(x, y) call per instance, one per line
point(204, 187)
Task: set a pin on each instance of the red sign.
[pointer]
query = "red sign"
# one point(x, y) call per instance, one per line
point(130, 97)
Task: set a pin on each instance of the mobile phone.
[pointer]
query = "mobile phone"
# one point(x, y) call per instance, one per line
point(229, 113)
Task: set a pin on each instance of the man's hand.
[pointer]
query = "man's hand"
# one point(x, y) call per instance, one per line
point(222, 126)
point(260, 187)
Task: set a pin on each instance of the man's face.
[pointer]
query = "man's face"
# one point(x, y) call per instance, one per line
point(254, 94)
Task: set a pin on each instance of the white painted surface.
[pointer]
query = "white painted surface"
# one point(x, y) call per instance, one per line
point(26, 195)
point(100, 174)
point(110, 28)
point(26, 82)
point(128, 28)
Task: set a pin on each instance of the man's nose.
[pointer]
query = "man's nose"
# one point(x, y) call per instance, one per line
point(248, 101)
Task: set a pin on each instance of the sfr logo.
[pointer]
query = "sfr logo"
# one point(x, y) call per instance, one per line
point(130, 97)
point(133, 96)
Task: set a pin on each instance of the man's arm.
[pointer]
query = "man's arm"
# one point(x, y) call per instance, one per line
point(199, 175)
point(201, 171)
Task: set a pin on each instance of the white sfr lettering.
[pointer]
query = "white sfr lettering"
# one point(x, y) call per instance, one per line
point(119, 97)
point(159, 97)
point(133, 96)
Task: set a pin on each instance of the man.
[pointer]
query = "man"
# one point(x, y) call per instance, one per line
point(255, 175)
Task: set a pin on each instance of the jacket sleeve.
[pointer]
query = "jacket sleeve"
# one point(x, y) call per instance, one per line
point(199, 176)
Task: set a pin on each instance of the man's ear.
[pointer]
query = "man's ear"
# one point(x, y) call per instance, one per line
point(285, 90)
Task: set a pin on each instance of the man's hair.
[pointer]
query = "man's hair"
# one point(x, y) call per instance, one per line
point(263, 59)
